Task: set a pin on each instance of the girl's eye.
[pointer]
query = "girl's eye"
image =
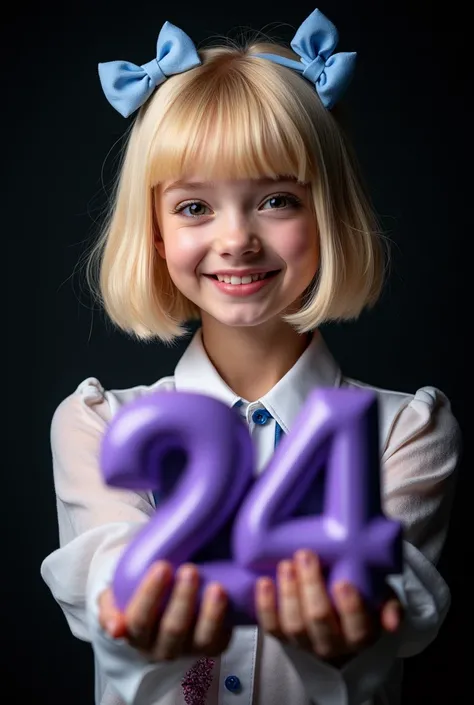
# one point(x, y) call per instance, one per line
point(282, 200)
point(195, 209)
point(277, 202)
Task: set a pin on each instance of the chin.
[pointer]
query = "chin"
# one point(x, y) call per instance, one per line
point(240, 322)
point(243, 321)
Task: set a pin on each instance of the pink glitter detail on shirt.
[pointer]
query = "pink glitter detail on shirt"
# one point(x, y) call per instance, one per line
point(197, 682)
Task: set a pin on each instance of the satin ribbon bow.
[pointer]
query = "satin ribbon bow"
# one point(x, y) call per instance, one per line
point(127, 86)
point(315, 42)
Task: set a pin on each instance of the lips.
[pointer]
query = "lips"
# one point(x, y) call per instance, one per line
point(239, 287)
point(246, 277)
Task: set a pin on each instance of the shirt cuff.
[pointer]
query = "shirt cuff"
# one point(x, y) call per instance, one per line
point(425, 597)
point(353, 684)
point(323, 683)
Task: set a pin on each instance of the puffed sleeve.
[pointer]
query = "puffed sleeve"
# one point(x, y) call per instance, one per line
point(419, 462)
point(95, 523)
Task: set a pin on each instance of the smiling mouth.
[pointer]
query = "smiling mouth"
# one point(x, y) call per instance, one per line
point(248, 279)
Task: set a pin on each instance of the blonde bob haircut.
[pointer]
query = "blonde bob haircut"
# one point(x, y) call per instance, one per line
point(235, 116)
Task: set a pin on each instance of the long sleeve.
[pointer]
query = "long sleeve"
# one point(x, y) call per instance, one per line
point(419, 460)
point(95, 523)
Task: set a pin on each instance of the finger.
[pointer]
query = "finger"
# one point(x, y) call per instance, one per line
point(208, 633)
point(178, 616)
point(142, 612)
point(289, 609)
point(391, 616)
point(266, 607)
point(356, 623)
point(318, 613)
point(110, 618)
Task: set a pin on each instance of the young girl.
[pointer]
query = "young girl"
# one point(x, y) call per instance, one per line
point(238, 205)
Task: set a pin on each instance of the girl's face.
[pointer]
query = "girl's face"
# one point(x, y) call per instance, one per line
point(243, 251)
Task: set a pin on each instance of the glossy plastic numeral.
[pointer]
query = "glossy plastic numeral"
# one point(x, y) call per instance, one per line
point(336, 434)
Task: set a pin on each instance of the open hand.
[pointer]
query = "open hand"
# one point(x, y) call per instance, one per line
point(306, 616)
point(164, 633)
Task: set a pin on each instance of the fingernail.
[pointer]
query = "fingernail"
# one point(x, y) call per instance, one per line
point(393, 617)
point(186, 574)
point(345, 590)
point(304, 558)
point(265, 586)
point(287, 570)
point(111, 625)
point(160, 570)
point(216, 593)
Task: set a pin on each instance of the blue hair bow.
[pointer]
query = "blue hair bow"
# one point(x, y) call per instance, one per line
point(315, 42)
point(127, 86)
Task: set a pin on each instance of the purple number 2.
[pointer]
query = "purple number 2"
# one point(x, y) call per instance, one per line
point(335, 433)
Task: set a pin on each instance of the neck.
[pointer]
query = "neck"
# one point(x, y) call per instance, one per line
point(252, 360)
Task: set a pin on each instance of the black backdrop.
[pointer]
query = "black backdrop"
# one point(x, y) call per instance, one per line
point(410, 121)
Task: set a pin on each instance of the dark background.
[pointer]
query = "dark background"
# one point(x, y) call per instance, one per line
point(410, 123)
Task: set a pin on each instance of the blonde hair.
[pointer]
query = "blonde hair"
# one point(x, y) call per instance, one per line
point(235, 116)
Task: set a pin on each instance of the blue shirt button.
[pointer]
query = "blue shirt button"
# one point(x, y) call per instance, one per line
point(261, 416)
point(232, 683)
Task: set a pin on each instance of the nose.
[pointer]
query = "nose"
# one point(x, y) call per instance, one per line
point(237, 237)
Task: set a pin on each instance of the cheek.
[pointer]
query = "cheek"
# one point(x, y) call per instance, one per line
point(300, 246)
point(184, 251)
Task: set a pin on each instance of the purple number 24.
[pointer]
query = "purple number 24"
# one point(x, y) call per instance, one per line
point(335, 433)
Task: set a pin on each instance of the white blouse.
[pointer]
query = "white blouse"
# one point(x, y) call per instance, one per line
point(420, 446)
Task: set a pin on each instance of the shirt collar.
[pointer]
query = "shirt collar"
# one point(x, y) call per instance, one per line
point(315, 368)
point(196, 373)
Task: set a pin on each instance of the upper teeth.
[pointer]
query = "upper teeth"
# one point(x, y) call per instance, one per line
point(240, 280)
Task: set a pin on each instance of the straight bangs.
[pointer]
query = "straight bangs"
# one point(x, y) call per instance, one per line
point(232, 122)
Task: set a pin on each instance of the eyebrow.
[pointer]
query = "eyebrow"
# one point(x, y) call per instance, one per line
point(195, 185)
